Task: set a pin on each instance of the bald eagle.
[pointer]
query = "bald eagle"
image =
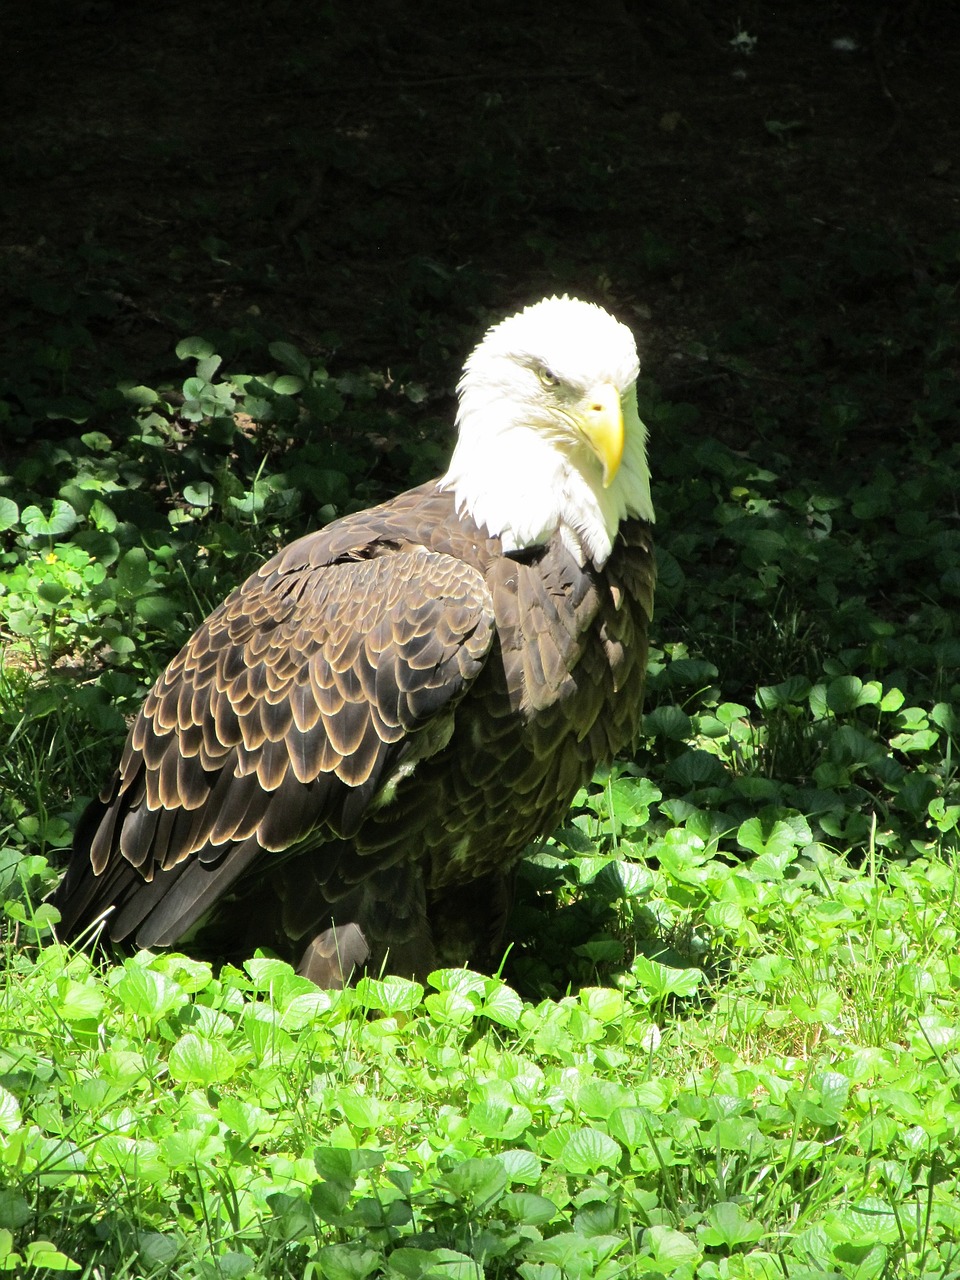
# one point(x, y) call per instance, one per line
point(348, 758)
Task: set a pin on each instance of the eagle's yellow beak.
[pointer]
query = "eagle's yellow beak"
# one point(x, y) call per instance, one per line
point(601, 415)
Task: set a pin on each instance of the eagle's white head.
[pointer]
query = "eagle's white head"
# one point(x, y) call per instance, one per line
point(549, 434)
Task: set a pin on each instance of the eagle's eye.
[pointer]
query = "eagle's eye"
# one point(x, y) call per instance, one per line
point(548, 377)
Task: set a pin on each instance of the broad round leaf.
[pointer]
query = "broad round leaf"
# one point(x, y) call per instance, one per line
point(529, 1209)
point(521, 1166)
point(193, 348)
point(148, 994)
point(14, 1209)
point(479, 1182)
point(502, 1004)
point(9, 1111)
point(588, 1150)
point(347, 1261)
point(193, 1059)
point(670, 1249)
point(133, 571)
point(290, 358)
point(62, 518)
point(667, 721)
point(9, 513)
point(390, 994)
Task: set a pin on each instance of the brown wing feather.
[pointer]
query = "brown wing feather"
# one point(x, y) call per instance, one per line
point(312, 672)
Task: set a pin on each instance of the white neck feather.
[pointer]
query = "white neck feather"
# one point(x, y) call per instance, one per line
point(523, 482)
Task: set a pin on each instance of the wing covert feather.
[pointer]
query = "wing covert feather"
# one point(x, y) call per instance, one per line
point(312, 673)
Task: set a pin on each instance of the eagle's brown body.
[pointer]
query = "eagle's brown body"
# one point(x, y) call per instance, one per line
point(348, 758)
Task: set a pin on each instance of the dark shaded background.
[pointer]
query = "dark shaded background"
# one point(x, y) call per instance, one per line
point(376, 181)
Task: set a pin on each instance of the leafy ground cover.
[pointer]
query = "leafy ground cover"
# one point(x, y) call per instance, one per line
point(726, 1042)
point(797, 1117)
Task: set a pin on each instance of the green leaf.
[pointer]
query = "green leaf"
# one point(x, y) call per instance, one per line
point(603, 1003)
point(62, 518)
point(9, 513)
point(390, 994)
point(578, 1256)
point(479, 1182)
point(9, 1113)
point(598, 1099)
point(667, 721)
point(670, 1249)
point(825, 1008)
point(259, 408)
point(347, 1261)
point(433, 1264)
point(207, 367)
point(142, 396)
point(266, 1038)
point(793, 690)
point(529, 1209)
point(409, 1264)
point(631, 801)
point(521, 1166)
point(817, 700)
point(71, 408)
point(101, 547)
point(362, 1110)
point(302, 1010)
point(454, 1008)
point(496, 1118)
point(945, 816)
point(922, 740)
point(780, 839)
point(199, 494)
point(947, 717)
point(659, 980)
point(158, 610)
point(244, 1118)
point(633, 879)
point(589, 1150)
point(193, 348)
point(633, 1126)
point(196, 1060)
point(691, 672)
point(267, 971)
point(339, 1164)
point(133, 571)
point(102, 517)
point(51, 592)
point(288, 355)
point(846, 693)
point(464, 980)
point(834, 1091)
point(670, 576)
point(695, 768)
point(869, 1222)
point(501, 1004)
point(727, 1225)
point(42, 1255)
point(15, 1211)
point(160, 1248)
point(79, 1001)
point(146, 993)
